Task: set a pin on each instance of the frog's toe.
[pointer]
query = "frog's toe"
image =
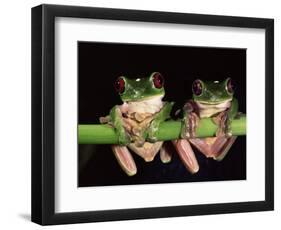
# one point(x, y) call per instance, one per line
point(228, 133)
point(151, 135)
point(152, 138)
point(184, 131)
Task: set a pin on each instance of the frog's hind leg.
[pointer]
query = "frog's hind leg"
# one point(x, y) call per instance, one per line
point(186, 155)
point(224, 150)
point(215, 147)
point(125, 159)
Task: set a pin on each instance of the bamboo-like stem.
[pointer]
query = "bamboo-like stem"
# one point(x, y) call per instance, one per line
point(169, 130)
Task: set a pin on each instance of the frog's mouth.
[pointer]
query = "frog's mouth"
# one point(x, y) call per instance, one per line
point(147, 98)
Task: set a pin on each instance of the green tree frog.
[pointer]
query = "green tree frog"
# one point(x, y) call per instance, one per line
point(138, 119)
point(212, 99)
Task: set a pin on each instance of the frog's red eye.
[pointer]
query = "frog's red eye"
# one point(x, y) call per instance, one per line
point(230, 86)
point(119, 85)
point(197, 87)
point(158, 80)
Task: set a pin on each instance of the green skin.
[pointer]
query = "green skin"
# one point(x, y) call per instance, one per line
point(214, 93)
point(138, 90)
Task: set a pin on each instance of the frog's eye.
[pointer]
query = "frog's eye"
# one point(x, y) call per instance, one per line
point(158, 80)
point(229, 86)
point(119, 85)
point(197, 87)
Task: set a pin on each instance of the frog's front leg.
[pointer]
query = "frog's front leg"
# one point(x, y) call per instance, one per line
point(161, 116)
point(116, 119)
point(224, 119)
point(190, 120)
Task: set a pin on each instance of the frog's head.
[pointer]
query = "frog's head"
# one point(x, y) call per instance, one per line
point(212, 92)
point(140, 88)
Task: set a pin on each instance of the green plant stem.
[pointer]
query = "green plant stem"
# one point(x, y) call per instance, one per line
point(169, 130)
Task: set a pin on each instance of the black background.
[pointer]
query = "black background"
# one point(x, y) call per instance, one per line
point(99, 64)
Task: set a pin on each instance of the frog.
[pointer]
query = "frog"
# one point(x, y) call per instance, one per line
point(210, 99)
point(136, 121)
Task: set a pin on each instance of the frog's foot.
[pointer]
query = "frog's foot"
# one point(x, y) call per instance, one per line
point(152, 132)
point(166, 152)
point(123, 138)
point(186, 155)
point(190, 123)
point(224, 123)
point(125, 159)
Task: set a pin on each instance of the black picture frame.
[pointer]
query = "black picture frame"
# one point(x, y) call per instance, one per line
point(43, 119)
